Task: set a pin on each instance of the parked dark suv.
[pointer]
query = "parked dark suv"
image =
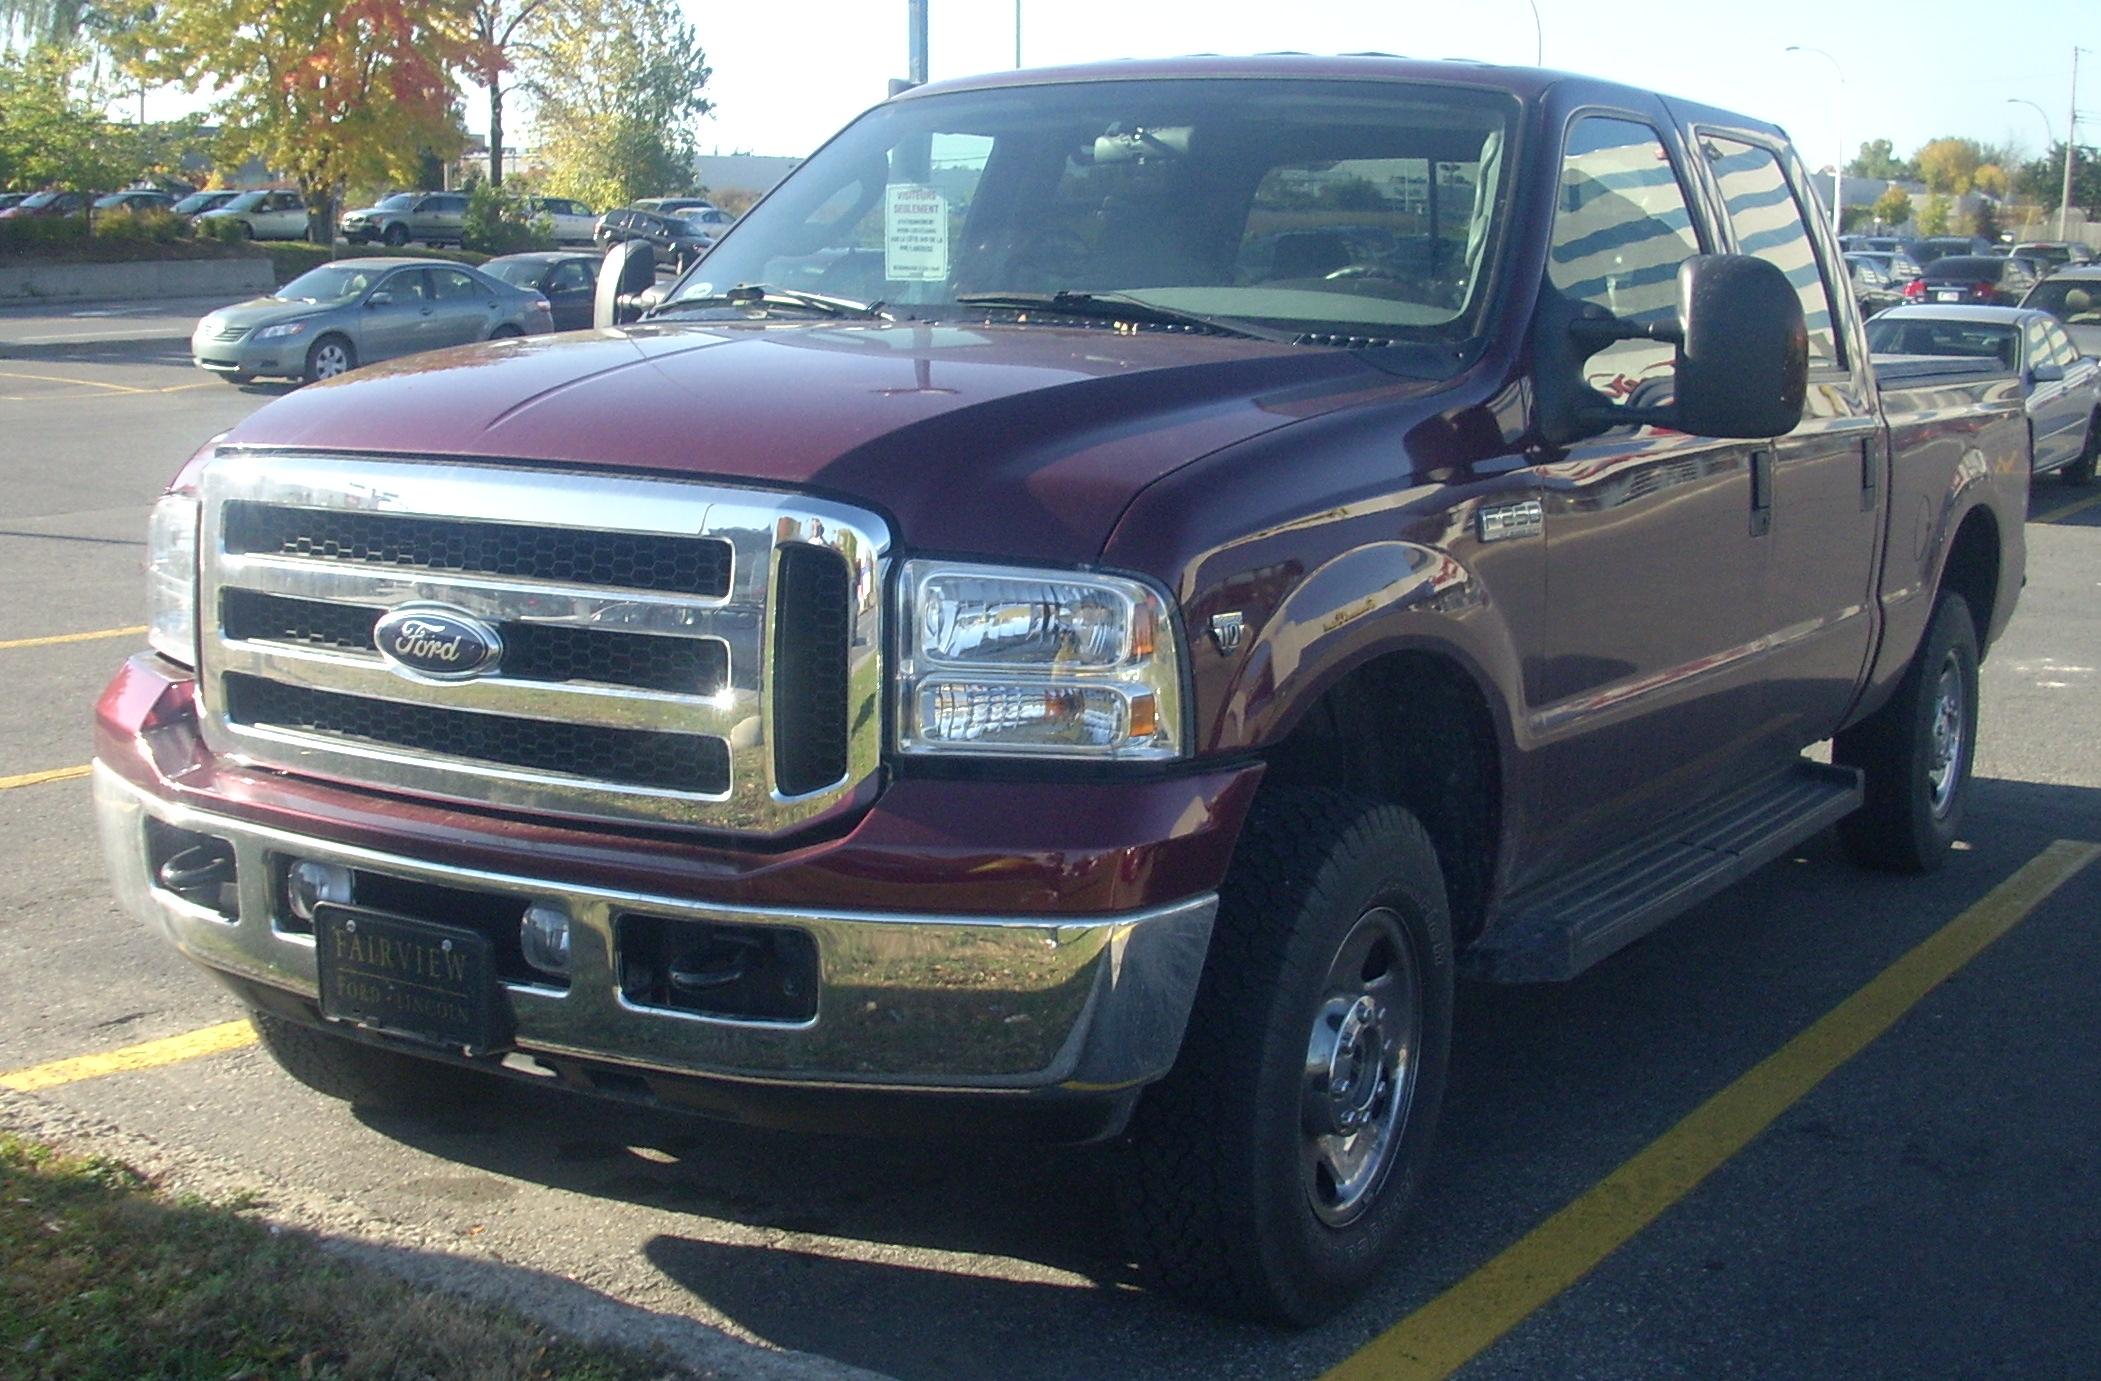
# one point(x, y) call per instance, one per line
point(672, 237)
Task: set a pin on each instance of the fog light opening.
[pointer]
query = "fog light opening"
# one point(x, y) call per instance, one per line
point(543, 936)
point(308, 884)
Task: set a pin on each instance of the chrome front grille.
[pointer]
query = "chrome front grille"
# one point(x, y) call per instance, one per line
point(672, 652)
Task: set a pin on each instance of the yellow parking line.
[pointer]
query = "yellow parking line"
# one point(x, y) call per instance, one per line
point(2076, 506)
point(55, 774)
point(52, 640)
point(60, 379)
point(1461, 1323)
point(209, 1040)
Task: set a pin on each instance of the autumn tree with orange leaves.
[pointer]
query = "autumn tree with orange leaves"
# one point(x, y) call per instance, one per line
point(329, 93)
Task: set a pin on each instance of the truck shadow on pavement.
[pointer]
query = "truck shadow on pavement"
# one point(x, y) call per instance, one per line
point(941, 1259)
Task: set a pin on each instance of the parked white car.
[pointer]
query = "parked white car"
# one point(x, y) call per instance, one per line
point(264, 215)
point(574, 223)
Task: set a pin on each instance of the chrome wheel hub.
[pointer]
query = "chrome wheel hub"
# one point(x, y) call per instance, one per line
point(330, 361)
point(1360, 1068)
point(1945, 737)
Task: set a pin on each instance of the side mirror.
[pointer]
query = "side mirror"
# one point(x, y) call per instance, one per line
point(1742, 359)
point(630, 268)
point(381, 298)
point(2048, 372)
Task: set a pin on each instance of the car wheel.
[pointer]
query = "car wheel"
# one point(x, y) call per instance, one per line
point(1916, 752)
point(328, 357)
point(367, 1075)
point(240, 376)
point(247, 230)
point(505, 332)
point(395, 236)
point(1271, 1170)
point(2081, 471)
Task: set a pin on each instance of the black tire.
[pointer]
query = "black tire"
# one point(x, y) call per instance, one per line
point(366, 1075)
point(1228, 1201)
point(1912, 815)
point(247, 230)
point(505, 332)
point(2081, 471)
point(240, 377)
point(394, 236)
point(327, 357)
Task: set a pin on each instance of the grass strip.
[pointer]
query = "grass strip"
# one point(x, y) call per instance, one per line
point(106, 1276)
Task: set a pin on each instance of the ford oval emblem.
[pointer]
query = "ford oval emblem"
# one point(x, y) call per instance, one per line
point(432, 640)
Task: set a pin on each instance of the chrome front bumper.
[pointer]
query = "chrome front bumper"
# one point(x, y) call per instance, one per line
point(907, 1002)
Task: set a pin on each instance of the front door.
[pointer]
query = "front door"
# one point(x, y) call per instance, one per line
point(1650, 691)
point(396, 325)
point(1828, 473)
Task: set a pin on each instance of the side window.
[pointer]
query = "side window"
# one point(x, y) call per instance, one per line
point(2035, 346)
point(569, 276)
point(407, 286)
point(1769, 223)
point(2061, 348)
point(1621, 228)
point(453, 285)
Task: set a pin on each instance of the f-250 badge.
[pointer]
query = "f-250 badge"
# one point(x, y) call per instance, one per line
point(432, 640)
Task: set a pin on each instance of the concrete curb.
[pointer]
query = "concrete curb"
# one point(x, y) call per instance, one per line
point(426, 1260)
point(142, 280)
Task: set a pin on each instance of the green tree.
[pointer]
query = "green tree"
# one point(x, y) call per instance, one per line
point(326, 92)
point(1878, 159)
point(619, 85)
point(1934, 216)
point(52, 128)
point(1852, 218)
point(2042, 181)
point(1949, 166)
point(1985, 219)
point(1893, 207)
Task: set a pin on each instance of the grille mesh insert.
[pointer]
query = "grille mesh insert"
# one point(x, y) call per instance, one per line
point(810, 669)
point(629, 757)
point(624, 560)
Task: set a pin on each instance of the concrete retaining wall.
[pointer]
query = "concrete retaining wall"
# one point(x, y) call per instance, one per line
point(132, 282)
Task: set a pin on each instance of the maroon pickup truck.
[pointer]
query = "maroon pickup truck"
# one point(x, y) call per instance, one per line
point(1095, 603)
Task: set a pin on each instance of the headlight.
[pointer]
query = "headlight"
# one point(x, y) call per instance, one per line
point(1043, 663)
point(171, 579)
point(283, 328)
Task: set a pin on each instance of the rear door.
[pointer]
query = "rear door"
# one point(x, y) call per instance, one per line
point(1650, 695)
point(570, 289)
point(2057, 408)
point(1828, 472)
point(465, 310)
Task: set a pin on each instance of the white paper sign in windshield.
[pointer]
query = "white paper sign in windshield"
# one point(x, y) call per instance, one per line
point(915, 235)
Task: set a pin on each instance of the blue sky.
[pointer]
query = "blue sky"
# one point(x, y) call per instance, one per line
point(790, 72)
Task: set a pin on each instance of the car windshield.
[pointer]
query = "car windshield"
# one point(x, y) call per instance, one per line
point(197, 201)
point(1971, 268)
point(247, 201)
point(1341, 207)
point(519, 273)
point(329, 283)
point(39, 200)
point(2068, 299)
point(400, 201)
point(1965, 339)
point(113, 199)
point(2048, 254)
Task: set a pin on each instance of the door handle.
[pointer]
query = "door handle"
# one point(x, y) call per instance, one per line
point(1870, 476)
point(1761, 491)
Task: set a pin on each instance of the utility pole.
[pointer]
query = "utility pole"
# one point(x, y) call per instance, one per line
point(2064, 205)
point(915, 24)
point(1017, 33)
point(1838, 115)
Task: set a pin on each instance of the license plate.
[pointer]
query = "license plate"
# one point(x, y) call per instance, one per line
point(412, 978)
point(1947, 297)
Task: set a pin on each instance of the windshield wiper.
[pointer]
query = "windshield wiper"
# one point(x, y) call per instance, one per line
point(763, 295)
point(1116, 306)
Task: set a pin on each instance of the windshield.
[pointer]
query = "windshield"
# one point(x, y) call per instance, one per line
point(329, 283)
point(1353, 207)
point(1972, 268)
point(197, 201)
point(38, 200)
point(519, 273)
point(2068, 299)
point(400, 201)
point(247, 201)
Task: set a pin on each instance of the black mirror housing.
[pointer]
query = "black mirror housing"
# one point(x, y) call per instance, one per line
point(1743, 363)
point(630, 268)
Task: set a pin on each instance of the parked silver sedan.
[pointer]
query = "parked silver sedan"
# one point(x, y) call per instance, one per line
point(354, 311)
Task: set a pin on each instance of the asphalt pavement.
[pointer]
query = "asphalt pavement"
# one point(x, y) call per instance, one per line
point(1933, 1206)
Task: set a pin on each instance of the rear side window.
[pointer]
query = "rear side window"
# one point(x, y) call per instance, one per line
point(570, 275)
point(1769, 222)
point(453, 284)
point(1621, 229)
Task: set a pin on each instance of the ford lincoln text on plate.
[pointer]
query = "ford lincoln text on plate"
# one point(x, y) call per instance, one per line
point(1081, 615)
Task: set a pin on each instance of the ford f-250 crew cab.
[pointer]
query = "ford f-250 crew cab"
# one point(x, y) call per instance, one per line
point(1082, 615)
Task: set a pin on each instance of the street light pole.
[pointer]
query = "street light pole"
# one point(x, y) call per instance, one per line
point(1017, 33)
point(2064, 203)
point(2049, 138)
point(1539, 36)
point(1838, 119)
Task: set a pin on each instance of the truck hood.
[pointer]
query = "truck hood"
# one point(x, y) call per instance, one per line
point(1022, 441)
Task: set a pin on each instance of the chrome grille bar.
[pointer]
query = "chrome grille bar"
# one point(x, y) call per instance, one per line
point(756, 527)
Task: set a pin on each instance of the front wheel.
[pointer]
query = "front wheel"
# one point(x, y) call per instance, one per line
point(1271, 1171)
point(395, 236)
point(1916, 752)
point(328, 357)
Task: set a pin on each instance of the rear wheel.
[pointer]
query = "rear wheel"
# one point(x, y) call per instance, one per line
point(1916, 752)
point(2081, 471)
point(367, 1075)
point(1272, 1169)
point(328, 357)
